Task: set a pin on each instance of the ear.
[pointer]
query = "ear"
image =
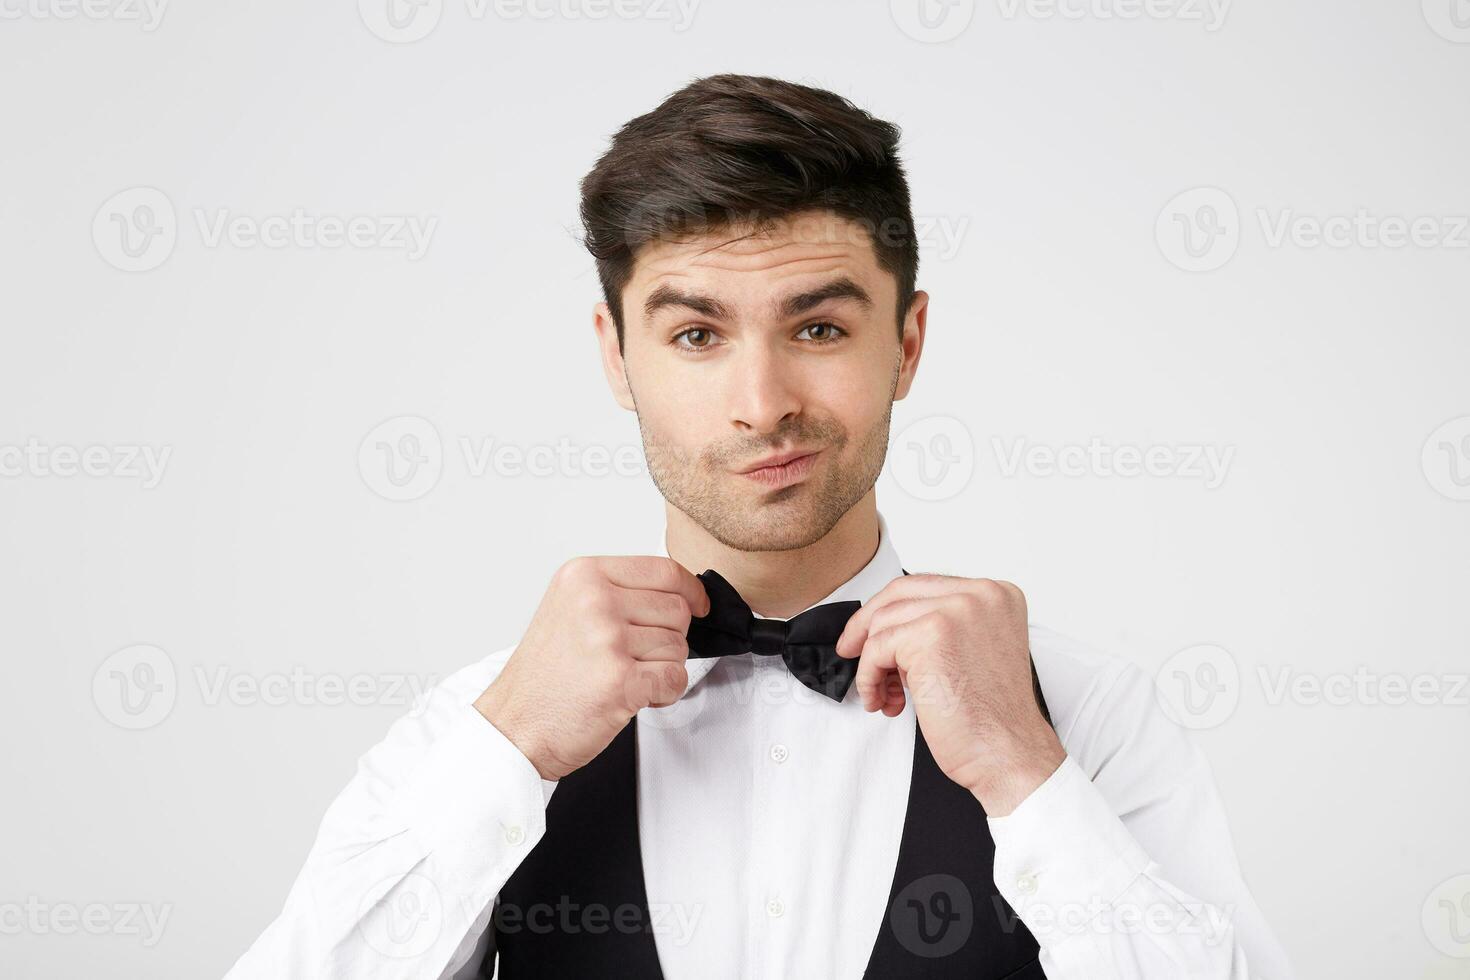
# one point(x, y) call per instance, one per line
point(912, 344)
point(613, 366)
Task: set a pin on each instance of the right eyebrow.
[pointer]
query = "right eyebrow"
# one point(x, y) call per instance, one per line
point(666, 296)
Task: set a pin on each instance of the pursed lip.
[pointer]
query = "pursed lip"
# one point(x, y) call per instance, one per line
point(780, 459)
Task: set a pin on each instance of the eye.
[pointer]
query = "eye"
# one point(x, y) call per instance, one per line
point(700, 338)
point(831, 331)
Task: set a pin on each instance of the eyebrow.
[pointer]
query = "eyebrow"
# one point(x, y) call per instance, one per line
point(666, 296)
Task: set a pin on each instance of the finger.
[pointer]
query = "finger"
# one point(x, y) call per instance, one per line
point(859, 625)
point(656, 684)
point(909, 587)
point(881, 615)
point(893, 692)
point(656, 573)
point(649, 607)
point(656, 643)
point(886, 651)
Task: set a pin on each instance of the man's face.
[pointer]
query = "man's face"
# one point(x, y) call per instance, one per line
point(742, 346)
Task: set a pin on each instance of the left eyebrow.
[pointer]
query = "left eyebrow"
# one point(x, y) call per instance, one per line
point(843, 288)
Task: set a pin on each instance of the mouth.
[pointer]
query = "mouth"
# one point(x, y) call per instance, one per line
point(782, 469)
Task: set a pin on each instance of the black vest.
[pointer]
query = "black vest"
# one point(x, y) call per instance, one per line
point(576, 907)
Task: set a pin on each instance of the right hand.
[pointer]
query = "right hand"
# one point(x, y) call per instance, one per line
point(609, 638)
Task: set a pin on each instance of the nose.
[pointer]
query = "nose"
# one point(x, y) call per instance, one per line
point(763, 392)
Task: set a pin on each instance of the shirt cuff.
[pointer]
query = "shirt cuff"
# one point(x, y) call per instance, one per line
point(475, 799)
point(1063, 856)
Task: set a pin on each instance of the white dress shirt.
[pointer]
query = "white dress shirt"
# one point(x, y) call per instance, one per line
point(770, 819)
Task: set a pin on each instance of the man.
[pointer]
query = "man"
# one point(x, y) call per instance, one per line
point(803, 761)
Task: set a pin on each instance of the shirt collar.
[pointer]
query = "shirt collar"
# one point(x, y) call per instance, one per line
point(881, 569)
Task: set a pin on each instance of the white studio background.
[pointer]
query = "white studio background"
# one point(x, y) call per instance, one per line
point(1230, 233)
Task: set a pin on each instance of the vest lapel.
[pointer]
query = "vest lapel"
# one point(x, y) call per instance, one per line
point(576, 906)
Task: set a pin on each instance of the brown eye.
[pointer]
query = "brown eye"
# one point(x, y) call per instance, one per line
point(826, 332)
point(698, 339)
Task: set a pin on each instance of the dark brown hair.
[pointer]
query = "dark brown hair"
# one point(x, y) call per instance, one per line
point(737, 149)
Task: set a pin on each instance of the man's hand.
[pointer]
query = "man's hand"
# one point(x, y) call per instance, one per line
point(609, 638)
point(961, 646)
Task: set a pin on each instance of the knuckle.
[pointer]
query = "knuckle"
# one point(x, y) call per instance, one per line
point(574, 569)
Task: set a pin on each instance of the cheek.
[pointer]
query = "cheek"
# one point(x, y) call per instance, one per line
point(858, 397)
point(677, 421)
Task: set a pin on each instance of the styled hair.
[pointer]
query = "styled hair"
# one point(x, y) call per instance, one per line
point(730, 150)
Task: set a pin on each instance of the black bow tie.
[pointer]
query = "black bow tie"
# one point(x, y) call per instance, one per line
point(807, 642)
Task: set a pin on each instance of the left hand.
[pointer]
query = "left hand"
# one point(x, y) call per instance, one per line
point(961, 647)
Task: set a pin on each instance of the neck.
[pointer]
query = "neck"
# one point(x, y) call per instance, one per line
point(780, 584)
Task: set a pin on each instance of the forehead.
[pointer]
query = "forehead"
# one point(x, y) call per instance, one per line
point(749, 265)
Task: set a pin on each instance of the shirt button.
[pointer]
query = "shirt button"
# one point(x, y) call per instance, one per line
point(779, 753)
point(775, 907)
point(1027, 884)
point(514, 834)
